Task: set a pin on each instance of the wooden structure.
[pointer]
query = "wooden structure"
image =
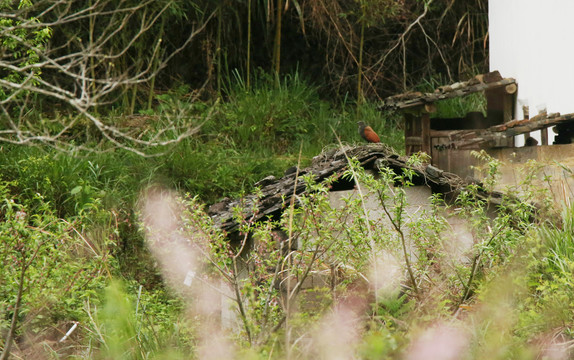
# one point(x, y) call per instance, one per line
point(449, 140)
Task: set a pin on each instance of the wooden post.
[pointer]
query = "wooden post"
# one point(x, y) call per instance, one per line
point(544, 136)
point(413, 140)
point(425, 133)
point(499, 106)
point(526, 113)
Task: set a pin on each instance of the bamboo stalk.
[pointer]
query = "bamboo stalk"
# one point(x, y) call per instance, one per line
point(360, 65)
point(248, 66)
point(277, 45)
point(218, 49)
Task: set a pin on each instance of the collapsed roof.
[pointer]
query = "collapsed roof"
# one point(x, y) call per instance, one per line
point(482, 82)
point(276, 194)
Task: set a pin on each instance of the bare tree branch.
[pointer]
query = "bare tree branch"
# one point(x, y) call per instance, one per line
point(43, 55)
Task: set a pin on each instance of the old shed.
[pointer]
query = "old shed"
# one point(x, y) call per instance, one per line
point(449, 141)
point(440, 137)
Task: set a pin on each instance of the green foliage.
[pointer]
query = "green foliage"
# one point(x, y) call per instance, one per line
point(269, 116)
point(70, 184)
point(381, 344)
point(327, 237)
point(282, 117)
point(216, 169)
point(23, 46)
point(52, 267)
point(338, 248)
point(559, 243)
point(137, 324)
point(549, 305)
point(456, 107)
point(349, 238)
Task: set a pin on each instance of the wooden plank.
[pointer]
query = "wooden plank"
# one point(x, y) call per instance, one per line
point(412, 130)
point(414, 140)
point(499, 106)
point(544, 136)
point(425, 133)
point(450, 133)
point(538, 123)
point(441, 133)
point(503, 135)
point(440, 152)
point(409, 100)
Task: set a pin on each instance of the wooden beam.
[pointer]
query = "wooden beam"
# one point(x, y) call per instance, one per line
point(414, 140)
point(412, 130)
point(537, 124)
point(544, 136)
point(499, 106)
point(409, 100)
point(510, 89)
point(503, 135)
point(425, 133)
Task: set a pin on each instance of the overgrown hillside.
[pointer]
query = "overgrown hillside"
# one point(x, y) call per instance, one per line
point(78, 260)
point(121, 121)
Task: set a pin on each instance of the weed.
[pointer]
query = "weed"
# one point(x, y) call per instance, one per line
point(52, 268)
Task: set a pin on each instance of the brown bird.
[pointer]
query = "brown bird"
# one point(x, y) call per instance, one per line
point(368, 133)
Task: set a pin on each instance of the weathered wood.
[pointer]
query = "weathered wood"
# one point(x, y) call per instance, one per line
point(425, 133)
point(544, 136)
point(503, 135)
point(412, 130)
point(499, 108)
point(430, 108)
point(414, 140)
point(492, 76)
point(510, 89)
point(537, 123)
point(410, 100)
point(441, 133)
point(276, 194)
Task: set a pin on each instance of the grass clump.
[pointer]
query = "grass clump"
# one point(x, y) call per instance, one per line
point(456, 107)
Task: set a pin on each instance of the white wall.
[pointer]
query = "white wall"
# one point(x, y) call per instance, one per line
point(533, 42)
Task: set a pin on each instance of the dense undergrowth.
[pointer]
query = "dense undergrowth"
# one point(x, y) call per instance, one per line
point(74, 232)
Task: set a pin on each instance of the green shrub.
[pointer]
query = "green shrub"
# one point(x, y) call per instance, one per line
point(50, 267)
point(550, 303)
point(134, 323)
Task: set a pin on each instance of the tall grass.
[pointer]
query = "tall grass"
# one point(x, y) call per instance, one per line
point(456, 107)
point(283, 116)
point(559, 242)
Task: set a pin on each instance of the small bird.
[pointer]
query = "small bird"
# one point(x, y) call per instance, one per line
point(368, 133)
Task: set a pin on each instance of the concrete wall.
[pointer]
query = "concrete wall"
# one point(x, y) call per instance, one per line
point(555, 162)
point(457, 239)
point(531, 41)
point(555, 170)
